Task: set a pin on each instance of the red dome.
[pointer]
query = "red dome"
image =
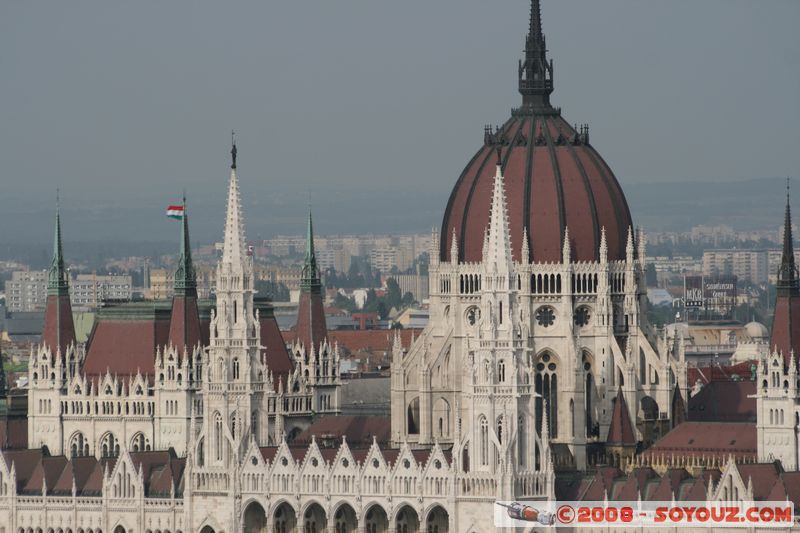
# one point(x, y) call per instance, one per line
point(554, 179)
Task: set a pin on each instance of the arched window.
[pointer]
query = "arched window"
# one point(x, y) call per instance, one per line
point(78, 445)
point(109, 445)
point(218, 436)
point(546, 386)
point(235, 368)
point(139, 443)
point(501, 371)
point(483, 424)
point(413, 417)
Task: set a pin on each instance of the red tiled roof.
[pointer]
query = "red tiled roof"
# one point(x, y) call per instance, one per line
point(785, 335)
point(124, 347)
point(741, 371)
point(268, 452)
point(358, 430)
point(708, 439)
point(668, 485)
point(13, 433)
point(724, 401)
point(633, 485)
point(310, 328)
point(601, 483)
point(59, 329)
point(275, 354)
point(763, 475)
point(125, 340)
point(184, 323)
point(25, 462)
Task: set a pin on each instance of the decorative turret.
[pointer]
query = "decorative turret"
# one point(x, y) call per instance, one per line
point(185, 276)
point(785, 335)
point(311, 326)
point(59, 329)
point(621, 441)
point(184, 325)
point(678, 407)
point(535, 71)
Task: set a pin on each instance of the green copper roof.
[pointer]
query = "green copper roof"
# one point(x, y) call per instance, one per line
point(185, 276)
point(57, 282)
point(310, 280)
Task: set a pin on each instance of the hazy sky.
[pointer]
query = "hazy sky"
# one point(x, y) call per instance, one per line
point(375, 106)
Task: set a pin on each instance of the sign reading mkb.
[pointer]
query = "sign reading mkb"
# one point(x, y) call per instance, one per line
point(715, 294)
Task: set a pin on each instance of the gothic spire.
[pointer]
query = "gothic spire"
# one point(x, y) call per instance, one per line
point(310, 280)
point(788, 281)
point(535, 71)
point(233, 248)
point(498, 239)
point(185, 277)
point(184, 322)
point(59, 329)
point(57, 282)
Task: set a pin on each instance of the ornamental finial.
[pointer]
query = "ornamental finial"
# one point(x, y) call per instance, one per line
point(233, 149)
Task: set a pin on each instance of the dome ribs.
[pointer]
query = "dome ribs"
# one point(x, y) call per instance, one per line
point(579, 232)
point(526, 211)
point(621, 213)
point(514, 167)
point(468, 250)
point(544, 235)
point(558, 181)
point(447, 226)
point(476, 214)
point(554, 179)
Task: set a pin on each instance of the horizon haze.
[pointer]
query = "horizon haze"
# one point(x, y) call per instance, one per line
point(124, 106)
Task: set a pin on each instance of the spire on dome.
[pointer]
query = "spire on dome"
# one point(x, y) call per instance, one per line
point(57, 282)
point(499, 240)
point(535, 71)
point(788, 279)
point(185, 276)
point(234, 245)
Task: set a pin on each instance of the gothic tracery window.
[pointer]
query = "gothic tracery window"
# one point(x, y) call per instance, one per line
point(546, 386)
point(109, 445)
point(473, 315)
point(484, 440)
point(79, 446)
point(545, 316)
point(582, 316)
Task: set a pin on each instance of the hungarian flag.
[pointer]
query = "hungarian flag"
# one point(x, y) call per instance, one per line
point(175, 211)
